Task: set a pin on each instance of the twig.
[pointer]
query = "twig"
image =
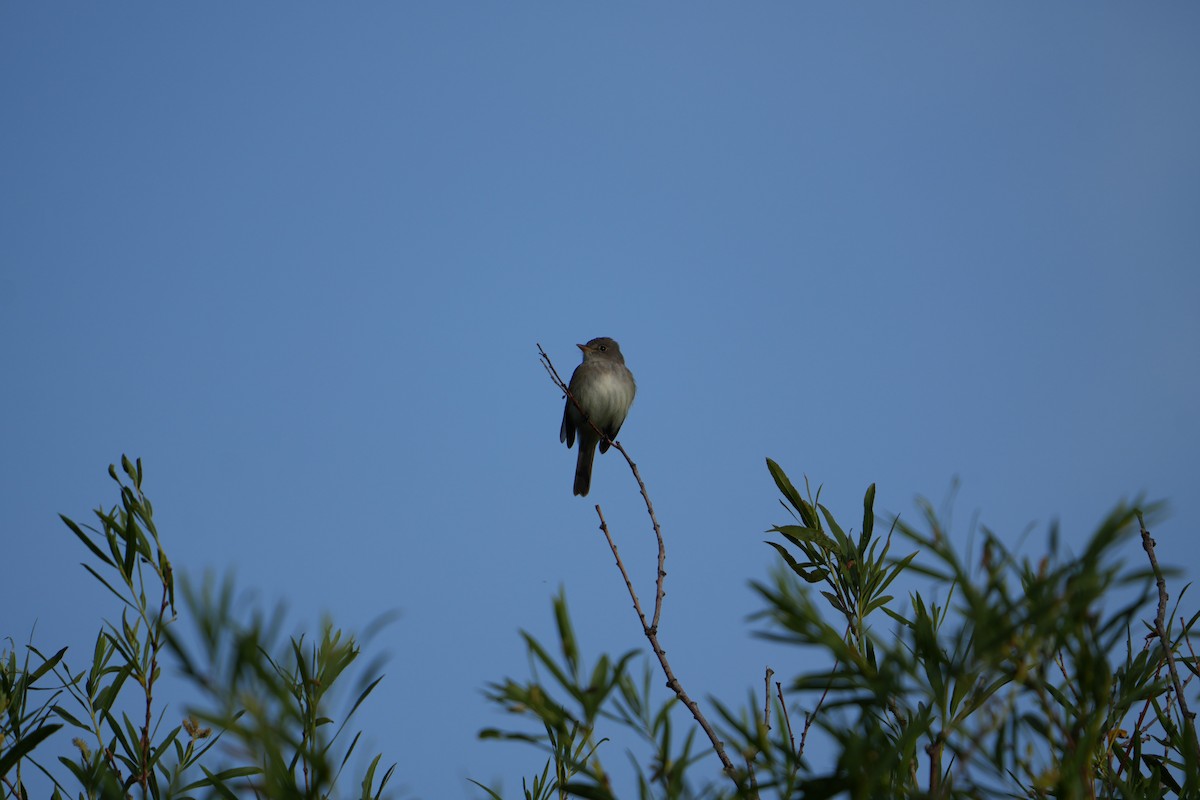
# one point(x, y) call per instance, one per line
point(750, 774)
point(787, 719)
point(762, 732)
point(1191, 651)
point(934, 751)
point(155, 633)
point(794, 753)
point(650, 629)
point(1189, 717)
point(1137, 727)
point(637, 604)
point(811, 716)
point(767, 697)
point(672, 682)
point(662, 550)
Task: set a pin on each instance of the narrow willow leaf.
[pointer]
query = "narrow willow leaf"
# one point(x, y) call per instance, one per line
point(844, 544)
point(808, 575)
point(369, 777)
point(566, 633)
point(86, 540)
point(536, 648)
point(868, 519)
point(789, 491)
point(24, 746)
point(46, 666)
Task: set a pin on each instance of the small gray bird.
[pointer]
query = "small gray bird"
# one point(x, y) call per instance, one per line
point(604, 387)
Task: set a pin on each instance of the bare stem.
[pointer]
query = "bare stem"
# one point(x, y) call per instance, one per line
point(767, 697)
point(811, 716)
point(1160, 629)
point(787, 719)
point(934, 751)
point(672, 682)
point(156, 631)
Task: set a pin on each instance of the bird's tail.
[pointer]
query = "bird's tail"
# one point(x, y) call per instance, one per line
point(583, 467)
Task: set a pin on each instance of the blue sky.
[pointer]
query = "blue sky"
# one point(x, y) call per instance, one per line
point(297, 258)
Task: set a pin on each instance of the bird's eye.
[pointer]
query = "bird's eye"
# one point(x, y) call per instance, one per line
point(603, 348)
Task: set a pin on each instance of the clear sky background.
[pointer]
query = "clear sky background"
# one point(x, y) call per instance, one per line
point(297, 257)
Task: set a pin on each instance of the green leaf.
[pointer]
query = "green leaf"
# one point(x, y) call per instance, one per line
point(835, 601)
point(490, 792)
point(363, 695)
point(896, 568)
point(496, 733)
point(24, 746)
point(127, 465)
point(801, 533)
point(217, 779)
point(868, 519)
point(369, 777)
point(350, 749)
point(566, 633)
point(75, 770)
point(45, 666)
point(878, 602)
point(844, 544)
point(86, 540)
point(789, 491)
point(976, 699)
point(130, 548)
point(62, 712)
point(588, 791)
point(535, 646)
point(383, 782)
point(108, 695)
point(811, 576)
point(599, 680)
point(168, 575)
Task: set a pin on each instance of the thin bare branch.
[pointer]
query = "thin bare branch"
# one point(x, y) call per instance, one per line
point(787, 719)
point(1189, 717)
point(811, 716)
point(672, 682)
point(767, 697)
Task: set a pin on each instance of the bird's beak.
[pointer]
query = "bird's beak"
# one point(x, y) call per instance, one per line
point(582, 347)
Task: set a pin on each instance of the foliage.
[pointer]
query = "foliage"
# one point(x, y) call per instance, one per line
point(995, 675)
point(1031, 678)
point(268, 704)
point(570, 705)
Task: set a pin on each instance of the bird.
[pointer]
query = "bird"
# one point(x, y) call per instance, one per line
point(604, 388)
